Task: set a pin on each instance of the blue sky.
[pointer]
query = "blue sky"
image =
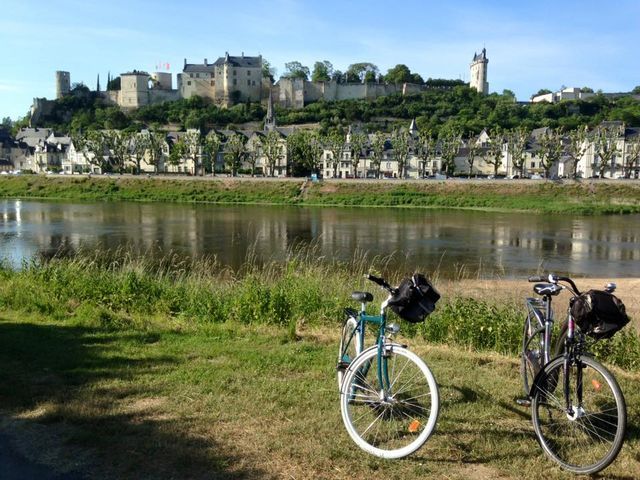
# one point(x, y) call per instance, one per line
point(530, 45)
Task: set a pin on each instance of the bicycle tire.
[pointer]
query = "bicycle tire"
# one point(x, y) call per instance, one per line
point(590, 439)
point(400, 423)
point(350, 346)
point(531, 357)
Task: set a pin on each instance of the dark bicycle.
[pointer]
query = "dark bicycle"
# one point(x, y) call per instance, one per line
point(578, 410)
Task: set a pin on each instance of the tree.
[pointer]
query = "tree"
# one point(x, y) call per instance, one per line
point(517, 143)
point(543, 91)
point(155, 146)
point(210, 149)
point(113, 84)
point(356, 146)
point(378, 141)
point(399, 74)
point(177, 152)
point(335, 143)
point(449, 147)
point(550, 150)
point(296, 70)
point(636, 90)
point(605, 147)
point(234, 152)
point(425, 150)
point(632, 155)
point(357, 72)
point(272, 150)
point(267, 70)
point(322, 71)
point(473, 150)
point(119, 145)
point(576, 147)
point(494, 153)
point(401, 148)
point(139, 146)
point(193, 143)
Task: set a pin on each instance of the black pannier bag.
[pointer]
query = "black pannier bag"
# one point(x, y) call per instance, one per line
point(599, 314)
point(415, 300)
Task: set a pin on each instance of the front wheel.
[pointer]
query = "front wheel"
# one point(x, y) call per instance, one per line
point(587, 436)
point(389, 402)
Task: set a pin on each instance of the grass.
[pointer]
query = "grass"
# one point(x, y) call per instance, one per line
point(174, 400)
point(583, 198)
point(118, 366)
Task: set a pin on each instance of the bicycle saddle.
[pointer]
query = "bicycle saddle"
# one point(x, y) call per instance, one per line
point(547, 289)
point(362, 296)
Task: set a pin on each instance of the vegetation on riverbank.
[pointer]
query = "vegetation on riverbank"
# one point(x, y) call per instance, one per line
point(584, 197)
point(119, 290)
point(116, 367)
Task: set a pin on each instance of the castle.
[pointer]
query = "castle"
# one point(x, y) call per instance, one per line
point(237, 79)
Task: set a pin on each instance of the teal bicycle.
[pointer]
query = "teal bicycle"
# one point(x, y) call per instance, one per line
point(388, 396)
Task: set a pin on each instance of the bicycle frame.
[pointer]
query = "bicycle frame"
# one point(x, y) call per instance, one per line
point(381, 321)
point(545, 323)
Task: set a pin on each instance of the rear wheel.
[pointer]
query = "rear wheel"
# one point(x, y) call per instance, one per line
point(395, 419)
point(588, 436)
point(350, 346)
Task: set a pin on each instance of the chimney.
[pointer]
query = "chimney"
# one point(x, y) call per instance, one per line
point(185, 63)
point(205, 62)
point(242, 54)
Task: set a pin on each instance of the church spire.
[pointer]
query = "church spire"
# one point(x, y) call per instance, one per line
point(270, 119)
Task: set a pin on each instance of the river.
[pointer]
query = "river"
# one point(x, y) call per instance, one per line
point(453, 242)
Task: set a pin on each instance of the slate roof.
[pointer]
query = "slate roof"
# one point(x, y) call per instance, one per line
point(199, 68)
point(245, 62)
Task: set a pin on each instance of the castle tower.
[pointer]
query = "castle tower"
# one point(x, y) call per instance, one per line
point(134, 89)
point(479, 72)
point(63, 84)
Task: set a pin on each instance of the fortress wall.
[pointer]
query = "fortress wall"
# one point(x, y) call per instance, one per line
point(159, 96)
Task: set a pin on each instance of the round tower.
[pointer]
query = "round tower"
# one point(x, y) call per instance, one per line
point(63, 84)
point(478, 77)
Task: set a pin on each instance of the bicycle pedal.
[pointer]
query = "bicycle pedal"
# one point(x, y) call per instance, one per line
point(523, 402)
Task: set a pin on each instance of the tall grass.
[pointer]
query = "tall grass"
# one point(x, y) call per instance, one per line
point(120, 289)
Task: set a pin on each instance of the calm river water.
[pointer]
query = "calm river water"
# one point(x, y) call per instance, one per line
point(453, 242)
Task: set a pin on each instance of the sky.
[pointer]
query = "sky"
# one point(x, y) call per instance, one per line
point(530, 45)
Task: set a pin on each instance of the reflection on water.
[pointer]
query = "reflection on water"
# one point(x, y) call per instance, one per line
point(505, 244)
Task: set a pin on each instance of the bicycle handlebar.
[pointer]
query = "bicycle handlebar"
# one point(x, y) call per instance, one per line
point(381, 282)
point(553, 278)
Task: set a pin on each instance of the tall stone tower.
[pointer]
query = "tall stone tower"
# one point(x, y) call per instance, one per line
point(63, 84)
point(134, 89)
point(479, 72)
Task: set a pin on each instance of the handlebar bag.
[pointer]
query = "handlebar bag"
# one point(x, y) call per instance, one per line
point(415, 299)
point(599, 314)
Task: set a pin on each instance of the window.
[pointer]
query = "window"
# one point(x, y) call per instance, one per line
point(235, 81)
point(533, 164)
point(234, 73)
point(213, 83)
point(197, 75)
point(253, 83)
point(189, 82)
point(249, 82)
point(248, 72)
point(191, 75)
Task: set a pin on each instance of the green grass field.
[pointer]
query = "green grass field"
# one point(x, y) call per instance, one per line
point(583, 197)
point(122, 368)
point(234, 401)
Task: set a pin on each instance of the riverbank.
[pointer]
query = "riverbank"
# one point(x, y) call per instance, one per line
point(576, 197)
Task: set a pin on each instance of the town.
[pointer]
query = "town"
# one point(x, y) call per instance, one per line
point(608, 150)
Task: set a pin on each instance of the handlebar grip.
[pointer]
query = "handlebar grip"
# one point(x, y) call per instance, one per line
point(375, 279)
point(536, 278)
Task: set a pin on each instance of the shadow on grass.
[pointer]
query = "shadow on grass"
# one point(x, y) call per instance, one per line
point(75, 372)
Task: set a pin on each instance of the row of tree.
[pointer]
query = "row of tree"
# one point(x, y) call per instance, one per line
point(303, 150)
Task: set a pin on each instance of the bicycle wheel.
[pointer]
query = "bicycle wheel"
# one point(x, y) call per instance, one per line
point(392, 422)
point(350, 346)
point(587, 439)
point(532, 355)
